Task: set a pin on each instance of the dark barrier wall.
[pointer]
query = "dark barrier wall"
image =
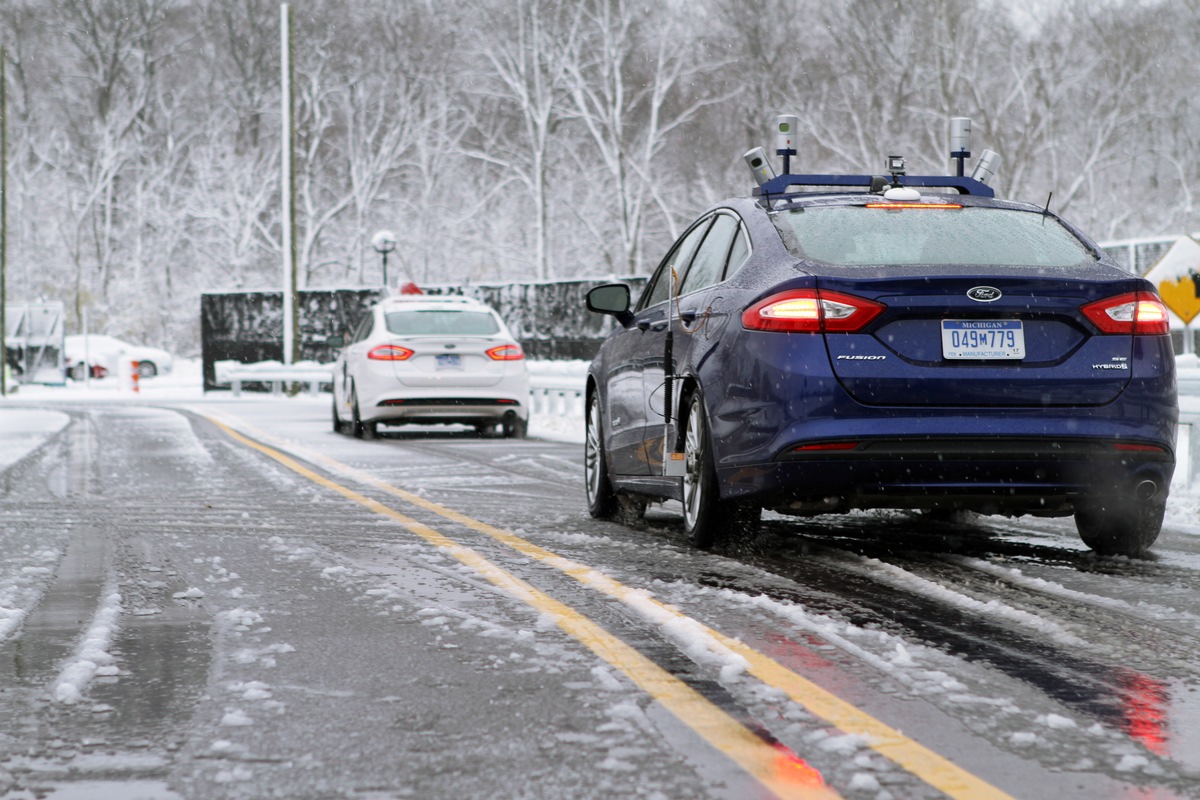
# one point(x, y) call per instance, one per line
point(248, 326)
point(549, 319)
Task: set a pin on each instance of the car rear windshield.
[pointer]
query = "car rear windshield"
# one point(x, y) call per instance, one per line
point(437, 322)
point(857, 235)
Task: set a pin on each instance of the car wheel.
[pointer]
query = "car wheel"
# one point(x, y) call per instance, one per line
point(1127, 527)
point(338, 425)
point(147, 369)
point(706, 518)
point(515, 428)
point(361, 430)
point(79, 371)
point(602, 501)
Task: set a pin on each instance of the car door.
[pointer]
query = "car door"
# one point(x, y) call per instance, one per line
point(353, 356)
point(707, 269)
point(662, 304)
point(626, 355)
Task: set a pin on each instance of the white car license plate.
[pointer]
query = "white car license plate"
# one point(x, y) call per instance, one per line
point(449, 361)
point(983, 339)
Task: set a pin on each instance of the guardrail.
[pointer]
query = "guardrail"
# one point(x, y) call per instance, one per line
point(310, 373)
point(1187, 449)
point(549, 393)
point(561, 396)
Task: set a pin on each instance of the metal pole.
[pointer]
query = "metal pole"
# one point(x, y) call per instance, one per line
point(288, 216)
point(3, 224)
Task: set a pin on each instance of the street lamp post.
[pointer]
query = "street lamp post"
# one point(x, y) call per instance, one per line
point(384, 242)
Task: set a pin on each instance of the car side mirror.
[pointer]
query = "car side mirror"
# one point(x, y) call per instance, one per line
point(611, 298)
point(335, 341)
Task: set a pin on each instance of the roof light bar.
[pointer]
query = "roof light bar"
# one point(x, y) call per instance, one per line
point(892, 206)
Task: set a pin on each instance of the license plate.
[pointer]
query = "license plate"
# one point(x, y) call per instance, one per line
point(449, 361)
point(983, 339)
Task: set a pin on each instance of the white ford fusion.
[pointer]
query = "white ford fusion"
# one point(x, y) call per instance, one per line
point(417, 360)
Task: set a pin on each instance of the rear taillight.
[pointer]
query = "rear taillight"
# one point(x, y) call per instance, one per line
point(811, 311)
point(389, 352)
point(506, 352)
point(1133, 313)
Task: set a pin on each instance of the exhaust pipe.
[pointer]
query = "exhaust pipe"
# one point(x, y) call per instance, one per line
point(1146, 490)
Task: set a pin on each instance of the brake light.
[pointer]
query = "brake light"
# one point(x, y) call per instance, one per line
point(389, 352)
point(811, 311)
point(1139, 313)
point(506, 352)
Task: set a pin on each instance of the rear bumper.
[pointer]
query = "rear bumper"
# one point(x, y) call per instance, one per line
point(992, 475)
point(444, 410)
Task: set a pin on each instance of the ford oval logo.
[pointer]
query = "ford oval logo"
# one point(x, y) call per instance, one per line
point(984, 294)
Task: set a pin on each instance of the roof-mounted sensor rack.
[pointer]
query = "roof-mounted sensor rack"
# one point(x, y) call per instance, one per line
point(770, 183)
point(782, 184)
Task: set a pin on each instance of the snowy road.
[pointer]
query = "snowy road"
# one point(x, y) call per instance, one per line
point(224, 599)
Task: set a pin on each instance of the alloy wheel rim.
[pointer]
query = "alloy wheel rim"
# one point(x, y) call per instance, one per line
point(693, 453)
point(591, 453)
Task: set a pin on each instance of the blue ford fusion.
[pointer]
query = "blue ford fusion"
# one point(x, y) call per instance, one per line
point(839, 342)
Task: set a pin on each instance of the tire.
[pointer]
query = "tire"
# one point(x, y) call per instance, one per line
point(361, 430)
point(79, 372)
point(338, 425)
point(602, 501)
point(1124, 527)
point(707, 519)
point(147, 369)
point(515, 428)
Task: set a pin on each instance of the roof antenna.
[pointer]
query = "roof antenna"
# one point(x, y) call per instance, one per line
point(1045, 211)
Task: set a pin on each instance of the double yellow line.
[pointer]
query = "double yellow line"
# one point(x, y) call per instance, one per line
point(775, 767)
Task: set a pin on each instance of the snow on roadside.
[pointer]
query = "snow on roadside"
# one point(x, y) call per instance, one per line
point(23, 430)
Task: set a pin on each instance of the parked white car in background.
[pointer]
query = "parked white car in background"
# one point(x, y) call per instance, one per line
point(104, 354)
point(420, 360)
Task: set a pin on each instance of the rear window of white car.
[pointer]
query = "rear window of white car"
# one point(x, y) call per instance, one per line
point(437, 322)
